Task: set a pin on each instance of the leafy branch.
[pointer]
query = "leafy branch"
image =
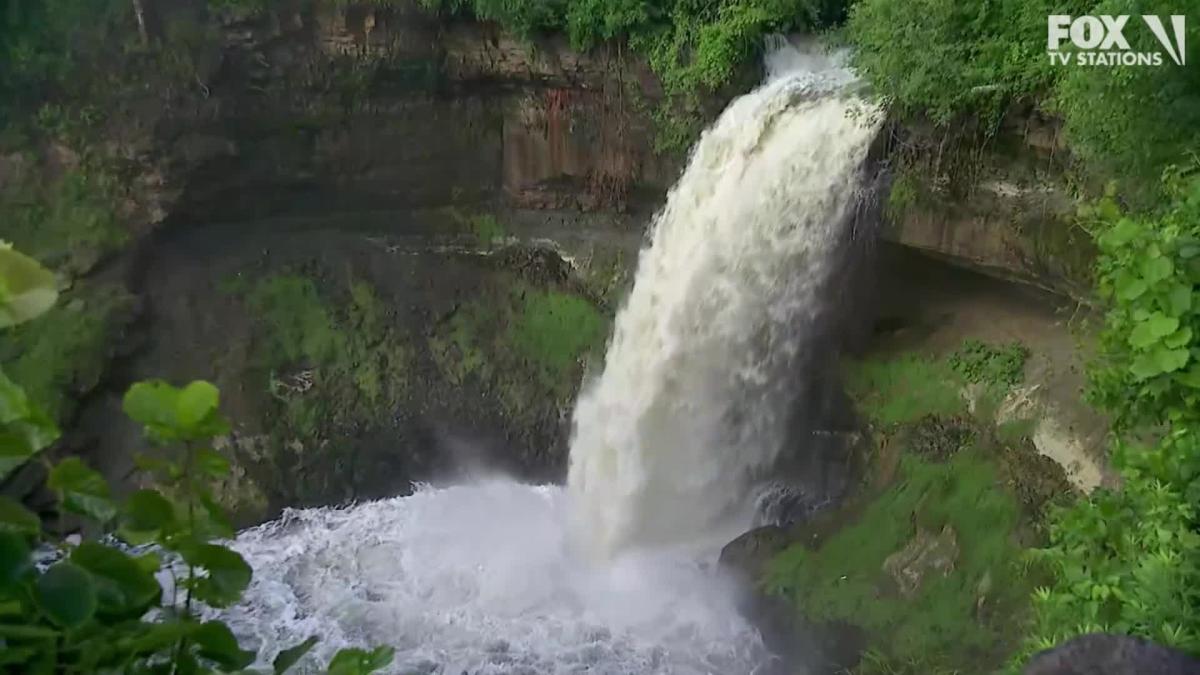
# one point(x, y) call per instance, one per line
point(97, 607)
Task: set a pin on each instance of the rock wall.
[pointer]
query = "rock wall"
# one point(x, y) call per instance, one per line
point(999, 203)
point(360, 223)
point(361, 108)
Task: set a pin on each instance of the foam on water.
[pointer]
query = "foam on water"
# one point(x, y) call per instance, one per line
point(482, 579)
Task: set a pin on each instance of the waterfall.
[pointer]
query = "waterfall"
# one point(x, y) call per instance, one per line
point(488, 578)
point(697, 384)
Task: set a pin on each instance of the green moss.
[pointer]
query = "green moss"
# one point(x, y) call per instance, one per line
point(487, 229)
point(64, 354)
point(300, 328)
point(70, 221)
point(905, 389)
point(524, 341)
point(553, 331)
point(457, 349)
point(961, 620)
point(332, 361)
point(904, 194)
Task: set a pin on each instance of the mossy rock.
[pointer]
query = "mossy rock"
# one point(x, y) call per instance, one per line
point(927, 559)
point(63, 355)
point(956, 613)
point(936, 437)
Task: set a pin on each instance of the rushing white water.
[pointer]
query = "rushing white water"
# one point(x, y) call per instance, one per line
point(693, 399)
point(490, 578)
point(479, 579)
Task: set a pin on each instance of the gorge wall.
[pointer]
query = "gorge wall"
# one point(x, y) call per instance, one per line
point(370, 227)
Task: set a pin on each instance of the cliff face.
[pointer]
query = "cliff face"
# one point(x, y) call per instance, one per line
point(423, 194)
point(356, 108)
point(1001, 205)
point(394, 242)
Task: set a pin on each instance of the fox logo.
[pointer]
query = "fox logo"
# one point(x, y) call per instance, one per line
point(1105, 35)
point(1177, 48)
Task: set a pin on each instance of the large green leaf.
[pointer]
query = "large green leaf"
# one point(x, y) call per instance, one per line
point(15, 560)
point(171, 414)
point(1170, 360)
point(153, 404)
point(1179, 338)
point(14, 452)
point(66, 594)
point(151, 638)
point(1191, 377)
point(1145, 366)
point(123, 588)
point(14, 403)
point(1121, 233)
point(83, 490)
point(26, 288)
point(218, 644)
point(292, 655)
point(24, 428)
point(16, 518)
point(1129, 287)
point(149, 511)
point(1156, 269)
point(227, 573)
point(355, 661)
point(212, 463)
point(1152, 329)
point(1180, 299)
point(196, 403)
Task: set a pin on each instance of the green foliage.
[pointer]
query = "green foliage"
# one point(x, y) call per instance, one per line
point(26, 291)
point(906, 389)
point(962, 620)
point(344, 349)
point(1130, 122)
point(981, 363)
point(63, 355)
point(1148, 270)
point(1126, 561)
point(487, 229)
point(553, 330)
point(360, 661)
point(81, 490)
point(69, 222)
point(904, 193)
point(945, 60)
point(41, 41)
point(26, 288)
point(97, 608)
point(544, 335)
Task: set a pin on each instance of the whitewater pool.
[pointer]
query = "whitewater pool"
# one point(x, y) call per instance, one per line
point(484, 579)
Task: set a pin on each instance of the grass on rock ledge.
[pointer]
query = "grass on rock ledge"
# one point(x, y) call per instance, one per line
point(525, 341)
point(928, 560)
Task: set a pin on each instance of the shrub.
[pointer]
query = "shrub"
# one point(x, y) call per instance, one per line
point(981, 363)
point(1126, 561)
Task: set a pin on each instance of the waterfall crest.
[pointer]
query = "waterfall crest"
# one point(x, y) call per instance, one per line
point(694, 395)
